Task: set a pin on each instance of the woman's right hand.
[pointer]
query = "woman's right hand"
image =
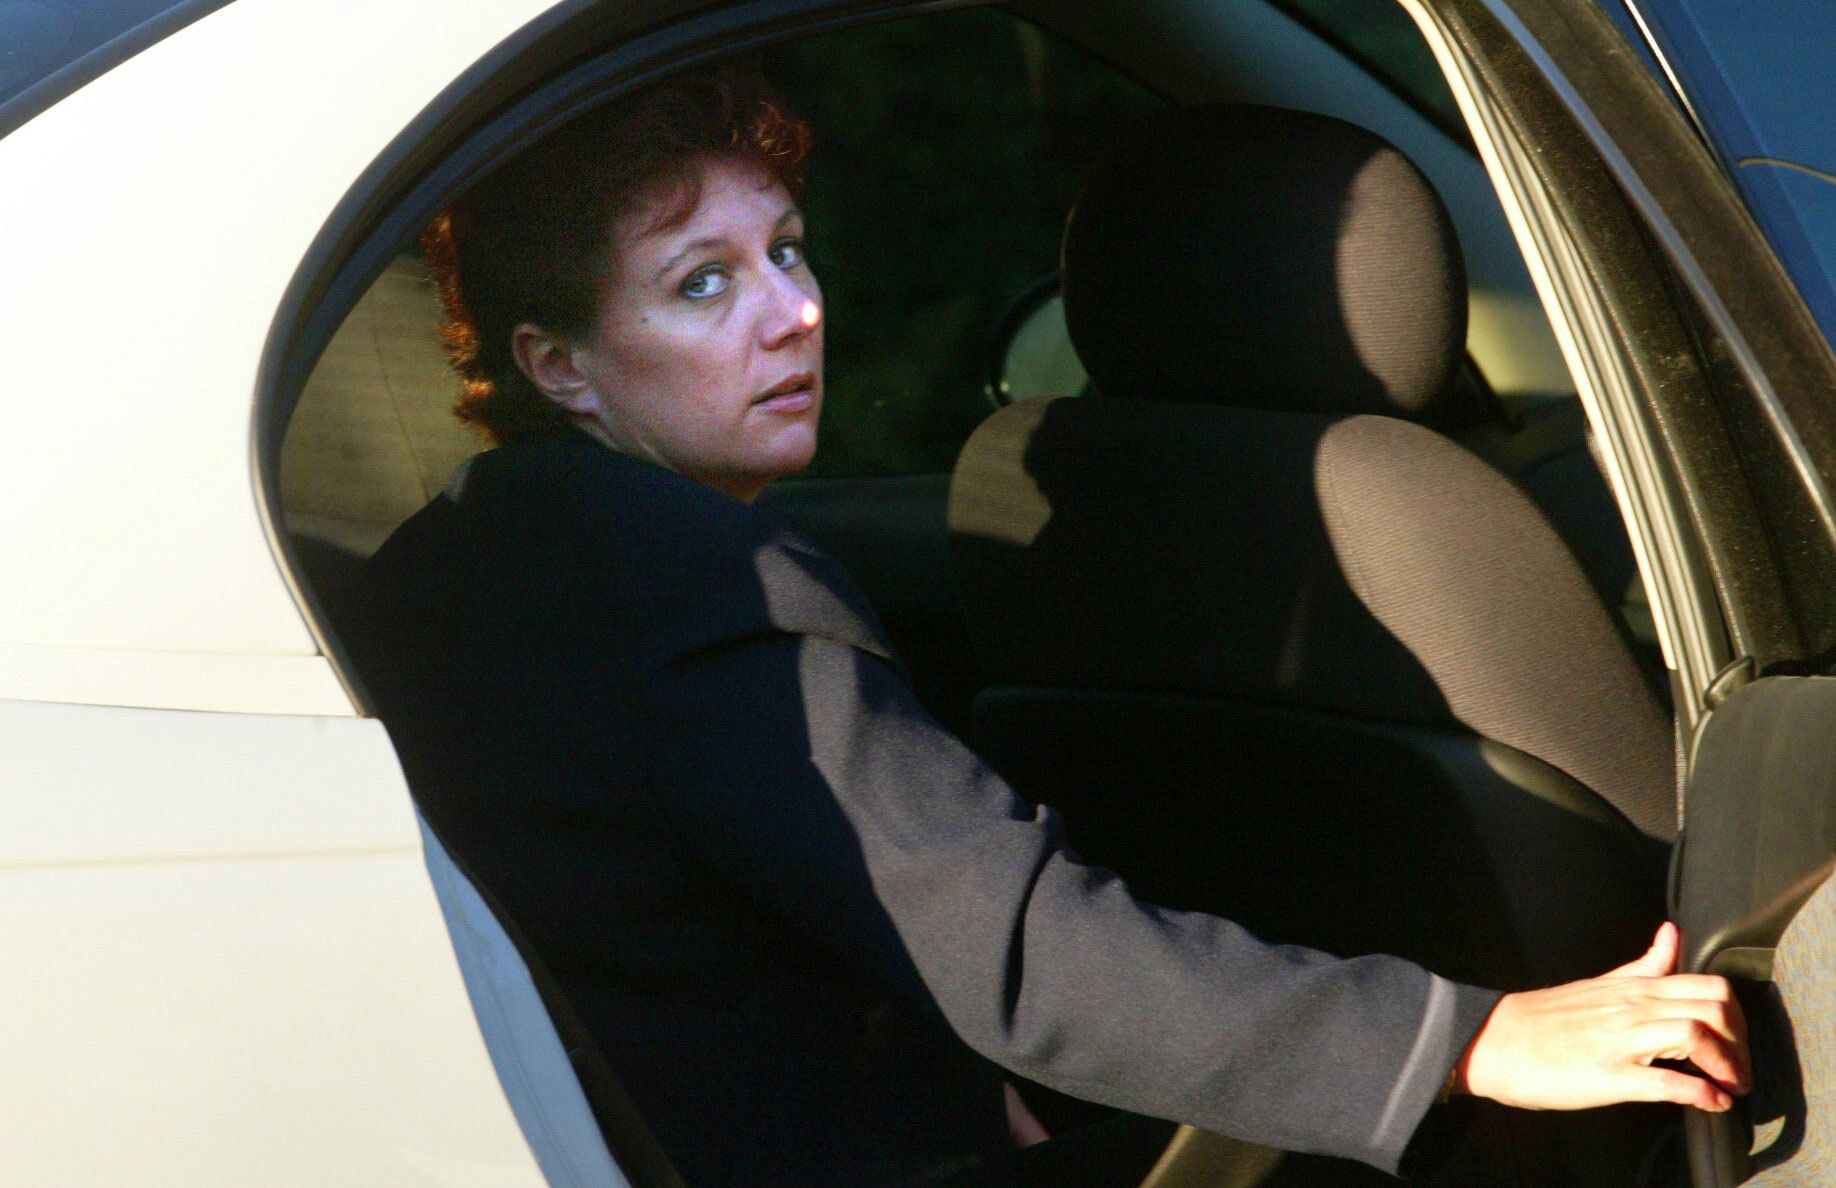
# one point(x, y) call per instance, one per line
point(1592, 1043)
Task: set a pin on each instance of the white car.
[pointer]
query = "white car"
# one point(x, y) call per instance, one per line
point(237, 956)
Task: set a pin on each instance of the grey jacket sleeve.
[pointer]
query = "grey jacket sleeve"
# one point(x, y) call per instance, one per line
point(798, 763)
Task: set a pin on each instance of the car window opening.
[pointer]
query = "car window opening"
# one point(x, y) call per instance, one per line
point(1166, 631)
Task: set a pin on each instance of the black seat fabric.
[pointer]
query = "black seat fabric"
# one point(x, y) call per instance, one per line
point(1268, 259)
point(1359, 565)
point(1276, 645)
point(1284, 260)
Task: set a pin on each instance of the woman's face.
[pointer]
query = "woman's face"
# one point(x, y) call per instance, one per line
point(707, 355)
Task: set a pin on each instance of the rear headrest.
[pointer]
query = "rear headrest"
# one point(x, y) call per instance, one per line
point(1264, 258)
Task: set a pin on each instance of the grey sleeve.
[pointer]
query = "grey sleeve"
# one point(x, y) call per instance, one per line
point(804, 769)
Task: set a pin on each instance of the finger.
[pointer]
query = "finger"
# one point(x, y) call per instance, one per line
point(1703, 986)
point(1729, 1027)
point(1723, 1018)
point(1719, 1063)
point(1659, 959)
point(1662, 1084)
point(1695, 1041)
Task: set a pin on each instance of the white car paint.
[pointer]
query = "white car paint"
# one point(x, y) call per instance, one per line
point(227, 963)
point(148, 228)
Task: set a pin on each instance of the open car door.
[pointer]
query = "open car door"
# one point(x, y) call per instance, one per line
point(1753, 889)
point(1676, 210)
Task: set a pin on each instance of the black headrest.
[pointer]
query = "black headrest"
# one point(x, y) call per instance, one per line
point(1265, 258)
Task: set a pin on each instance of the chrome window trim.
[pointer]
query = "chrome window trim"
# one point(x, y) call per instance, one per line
point(1670, 74)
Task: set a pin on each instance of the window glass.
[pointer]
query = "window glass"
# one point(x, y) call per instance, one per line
point(1381, 38)
point(948, 150)
point(1039, 359)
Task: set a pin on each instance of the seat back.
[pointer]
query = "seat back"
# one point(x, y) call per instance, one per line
point(1276, 259)
point(1332, 677)
point(1277, 651)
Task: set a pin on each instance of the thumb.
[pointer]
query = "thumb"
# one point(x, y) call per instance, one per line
point(1659, 960)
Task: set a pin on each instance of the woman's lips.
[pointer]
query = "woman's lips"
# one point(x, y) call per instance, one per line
point(794, 395)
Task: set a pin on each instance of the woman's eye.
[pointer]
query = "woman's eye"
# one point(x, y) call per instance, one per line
point(709, 281)
point(787, 253)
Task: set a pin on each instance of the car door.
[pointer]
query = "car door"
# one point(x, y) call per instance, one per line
point(1752, 885)
point(1655, 215)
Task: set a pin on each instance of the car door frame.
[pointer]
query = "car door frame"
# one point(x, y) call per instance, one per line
point(1723, 473)
point(1560, 105)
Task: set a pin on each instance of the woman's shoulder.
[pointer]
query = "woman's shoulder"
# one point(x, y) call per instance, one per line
point(565, 496)
point(579, 521)
point(574, 479)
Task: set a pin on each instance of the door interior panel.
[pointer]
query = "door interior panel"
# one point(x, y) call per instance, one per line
point(1761, 821)
point(1753, 896)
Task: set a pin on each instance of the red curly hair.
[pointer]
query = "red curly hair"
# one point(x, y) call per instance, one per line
point(533, 241)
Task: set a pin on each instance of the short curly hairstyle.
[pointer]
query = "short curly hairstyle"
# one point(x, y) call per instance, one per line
point(533, 241)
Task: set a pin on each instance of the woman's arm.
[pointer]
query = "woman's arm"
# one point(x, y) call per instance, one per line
point(803, 769)
point(791, 753)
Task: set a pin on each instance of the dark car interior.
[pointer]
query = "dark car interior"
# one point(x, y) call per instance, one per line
point(1298, 615)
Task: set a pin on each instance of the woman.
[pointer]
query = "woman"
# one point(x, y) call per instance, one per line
point(674, 742)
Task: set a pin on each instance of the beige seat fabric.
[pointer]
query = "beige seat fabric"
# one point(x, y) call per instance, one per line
point(1793, 1104)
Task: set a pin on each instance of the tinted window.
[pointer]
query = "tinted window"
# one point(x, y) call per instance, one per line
point(948, 150)
point(1381, 38)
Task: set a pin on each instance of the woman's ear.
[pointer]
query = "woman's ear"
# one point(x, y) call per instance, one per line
point(549, 363)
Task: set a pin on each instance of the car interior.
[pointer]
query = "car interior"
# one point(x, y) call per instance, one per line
point(1195, 430)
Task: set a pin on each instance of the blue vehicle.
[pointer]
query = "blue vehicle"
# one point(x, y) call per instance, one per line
point(1560, 668)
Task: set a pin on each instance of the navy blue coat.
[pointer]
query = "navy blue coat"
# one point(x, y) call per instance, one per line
point(800, 917)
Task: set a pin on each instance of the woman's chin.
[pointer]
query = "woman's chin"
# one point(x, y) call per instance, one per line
point(792, 451)
point(790, 455)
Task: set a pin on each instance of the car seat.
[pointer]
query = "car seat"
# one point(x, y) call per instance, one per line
point(1278, 646)
point(1275, 644)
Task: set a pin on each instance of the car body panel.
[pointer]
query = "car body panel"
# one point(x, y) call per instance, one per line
point(165, 223)
point(1757, 75)
point(233, 965)
point(175, 786)
point(227, 951)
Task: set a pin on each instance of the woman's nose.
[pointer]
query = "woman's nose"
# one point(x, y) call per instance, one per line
point(794, 311)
